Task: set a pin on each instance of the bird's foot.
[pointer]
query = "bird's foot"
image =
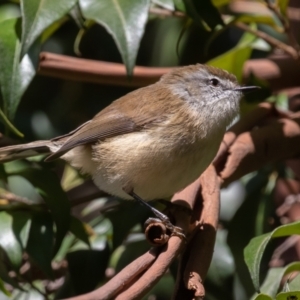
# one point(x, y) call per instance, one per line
point(160, 217)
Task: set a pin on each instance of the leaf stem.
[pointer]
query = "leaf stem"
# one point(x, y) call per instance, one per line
point(9, 125)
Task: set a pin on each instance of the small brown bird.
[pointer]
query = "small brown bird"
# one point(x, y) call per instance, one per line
point(153, 141)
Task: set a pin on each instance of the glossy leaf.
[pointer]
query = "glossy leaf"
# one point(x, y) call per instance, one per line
point(261, 19)
point(125, 20)
point(255, 249)
point(8, 241)
point(233, 60)
point(283, 4)
point(21, 225)
point(263, 297)
point(15, 75)
point(38, 15)
point(274, 277)
point(167, 4)
point(294, 285)
point(41, 240)
point(295, 295)
point(179, 5)
point(4, 272)
point(204, 10)
point(48, 186)
point(3, 289)
point(78, 229)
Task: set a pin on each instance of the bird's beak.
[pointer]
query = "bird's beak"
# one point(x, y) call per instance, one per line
point(246, 89)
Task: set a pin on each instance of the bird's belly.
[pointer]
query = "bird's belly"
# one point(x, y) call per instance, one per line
point(152, 171)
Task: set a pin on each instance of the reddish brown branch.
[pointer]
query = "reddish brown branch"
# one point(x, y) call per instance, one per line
point(122, 279)
point(145, 283)
point(280, 71)
point(260, 113)
point(86, 70)
point(274, 140)
point(196, 260)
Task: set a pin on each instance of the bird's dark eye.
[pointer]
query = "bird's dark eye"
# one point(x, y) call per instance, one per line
point(214, 82)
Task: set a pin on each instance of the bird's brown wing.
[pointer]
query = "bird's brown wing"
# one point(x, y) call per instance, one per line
point(110, 122)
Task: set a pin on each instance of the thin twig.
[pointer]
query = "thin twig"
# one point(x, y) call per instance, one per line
point(14, 198)
point(162, 12)
point(269, 39)
point(285, 23)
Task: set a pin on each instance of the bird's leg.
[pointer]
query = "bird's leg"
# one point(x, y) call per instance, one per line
point(169, 205)
point(160, 216)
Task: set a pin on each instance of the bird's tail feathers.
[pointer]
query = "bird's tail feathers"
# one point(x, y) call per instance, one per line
point(25, 150)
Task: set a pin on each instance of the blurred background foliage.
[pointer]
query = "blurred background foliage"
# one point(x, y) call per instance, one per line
point(53, 246)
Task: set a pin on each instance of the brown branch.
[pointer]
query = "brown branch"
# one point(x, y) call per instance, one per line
point(155, 272)
point(275, 140)
point(162, 12)
point(122, 279)
point(261, 112)
point(80, 69)
point(10, 197)
point(269, 39)
point(280, 71)
point(285, 23)
point(197, 257)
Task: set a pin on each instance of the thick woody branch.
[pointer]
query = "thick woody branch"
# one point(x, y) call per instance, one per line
point(275, 139)
point(195, 261)
point(280, 71)
point(122, 279)
point(85, 70)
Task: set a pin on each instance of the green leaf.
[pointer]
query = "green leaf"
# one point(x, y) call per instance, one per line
point(262, 19)
point(262, 297)
point(21, 226)
point(288, 296)
point(121, 221)
point(274, 277)
point(40, 242)
point(3, 289)
point(242, 227)
point(125, 20)
point(282, 4)
point(254, 250)
point(233, 60)
point(38, 15)
point(179, 5)
point(8, 240)
point(204, 10)
point(15, 75)
point(4, 273)
point(219, 3)
point(9, 11)
point(49, 188)
point(9, 125)
point(294, 285)
point(78, 229)
point(87, 268)
point(167, 4)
